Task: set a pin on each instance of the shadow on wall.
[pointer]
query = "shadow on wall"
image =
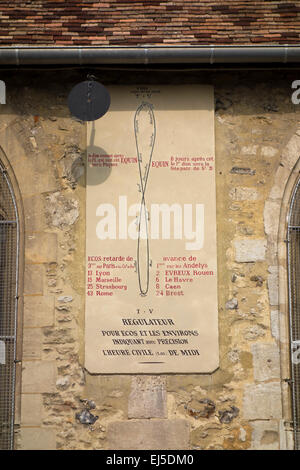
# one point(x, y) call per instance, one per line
point(95, 153)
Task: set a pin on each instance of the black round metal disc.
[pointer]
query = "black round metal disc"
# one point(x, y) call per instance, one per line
point(88, 100)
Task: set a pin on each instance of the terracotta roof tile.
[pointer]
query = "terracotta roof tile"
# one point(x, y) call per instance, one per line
point(141, 22)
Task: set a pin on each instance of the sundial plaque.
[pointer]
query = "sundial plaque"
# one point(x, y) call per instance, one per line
point(151, 259)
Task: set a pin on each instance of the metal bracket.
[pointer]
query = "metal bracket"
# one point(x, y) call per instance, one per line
point(91, 77)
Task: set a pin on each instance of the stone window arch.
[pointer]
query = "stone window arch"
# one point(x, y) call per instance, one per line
point(293, 244)
point(277, 213)
point(9, 294)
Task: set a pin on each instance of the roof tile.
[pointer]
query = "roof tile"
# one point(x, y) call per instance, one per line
point(139, 22)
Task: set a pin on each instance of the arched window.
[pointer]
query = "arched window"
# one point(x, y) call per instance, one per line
point(293, 239)
point(9, 255)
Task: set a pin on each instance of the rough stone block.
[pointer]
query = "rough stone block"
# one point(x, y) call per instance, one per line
point(38, 311)
point(275, 323)
point(265, 361)
point(265, 435)
point(39, 377)
point(31, 410)
point(290, 440)
point(38, 439)
point(59, 335)
point(281, 176)
point(109, 391)
point(33, 279)
point(41, 247)
point(32, 343)
point(262, 401)
point(250, 250)
point(148, 434)
point(35, 219)
point(271, 217)
point(148, 398)
point(291, 151)
point(273, 285)
point(36, 172)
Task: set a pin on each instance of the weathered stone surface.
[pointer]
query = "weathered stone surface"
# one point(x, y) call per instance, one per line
point(234, 355)
point(268, 151)
point(262, 401)
point(231, 304)
point(61, 211)
point(63, 383)
point(33, 279)
point(41, 247)
point(32, 343)
point(281, 176)
point(109, 391)
point(38, 377)
point(72, 164)
point(244, 194)
point(148, 398)
point(86, 417)
point(34, 215)
point(226, 416)
point(188, 382)
point(275, 323)
point(250, 250)
point(203, 408)
point(38, 311)
point(271, 217)
point(242, 434)
point(148, 434)
point(254, 332)
point(31, 409)
point(208, 436)
point(287, 439)
point(59, 335)
point(65, 298)
point(33, 142)
point(258, 280)
point(242, 171)
point(273, 285)
point(265, 435)
point(42, 173)
point(250, 150)
point(291, 152)
point(38, 439)
point(265, 361)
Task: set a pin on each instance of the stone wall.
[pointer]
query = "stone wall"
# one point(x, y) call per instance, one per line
point(245, 403)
